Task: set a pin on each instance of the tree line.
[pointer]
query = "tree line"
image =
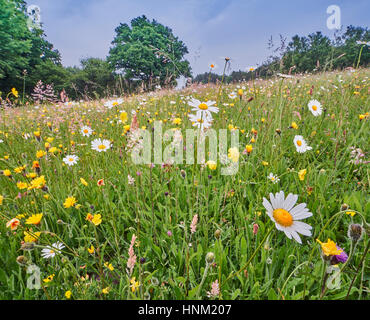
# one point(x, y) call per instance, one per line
point(313, 53)
point(144, 55)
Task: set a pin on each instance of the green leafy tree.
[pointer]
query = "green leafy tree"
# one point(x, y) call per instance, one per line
point(14, 43)
point(95, 78)
point(21, 49)
point(150, 52)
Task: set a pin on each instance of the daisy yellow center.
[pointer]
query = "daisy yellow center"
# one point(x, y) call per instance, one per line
point(52, 251)
point(200, 120)
point(101, 147)
point(314, 108)
point(283, 217)
point(86, 131)
point(71, 159)
point(299, 143)
point(115, 103)
point(203, 106)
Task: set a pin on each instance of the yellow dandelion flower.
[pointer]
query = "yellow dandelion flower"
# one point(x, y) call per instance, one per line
point(329, 248)
point(7, 173)
point(31, 236)
point(34, 219)
point(69, 202)
point(40, 154)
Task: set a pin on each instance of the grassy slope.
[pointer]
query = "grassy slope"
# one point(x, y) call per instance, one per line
point(172, 268)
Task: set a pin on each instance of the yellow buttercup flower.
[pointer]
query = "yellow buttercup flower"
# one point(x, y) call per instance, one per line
point(212, 165)
point(176, 121)
point(49, 278)
point(97, 219)
point(109, 266)
point(134, 284)
point(68, 294)
point(84, 182)
point(249, 148)
point(123, 116)
point(91, 250)
point(15, 92)
point(302, 174)
point(351, 213)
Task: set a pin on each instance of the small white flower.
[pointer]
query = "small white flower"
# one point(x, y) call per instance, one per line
point(232, 95)
point(70, 160)
point(315, 107)
point(100, 145)
point(203, 108)
point(131, 180)
point(199, 121)
point(51, 251)
point(301, 144)
point(286, 215)
point(273, 178)
point(86, 131)
point(113, 103)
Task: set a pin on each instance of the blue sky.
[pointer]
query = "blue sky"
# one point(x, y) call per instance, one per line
point(211, 29)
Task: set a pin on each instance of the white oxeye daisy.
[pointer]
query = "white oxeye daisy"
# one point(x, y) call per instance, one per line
point(203, 108)
point(315, 107)
point(113, 103)
point(70, 160)
point(100, 145)
point(232, 95)
point(273, 178)
point(286, 216)
point(86, 131)
point(199, 121)
point(51, 251)
point(301, 144)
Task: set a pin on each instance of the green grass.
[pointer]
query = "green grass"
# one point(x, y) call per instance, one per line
point(162, 200)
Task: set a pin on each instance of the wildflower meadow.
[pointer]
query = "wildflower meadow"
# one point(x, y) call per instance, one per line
point(83, 216)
